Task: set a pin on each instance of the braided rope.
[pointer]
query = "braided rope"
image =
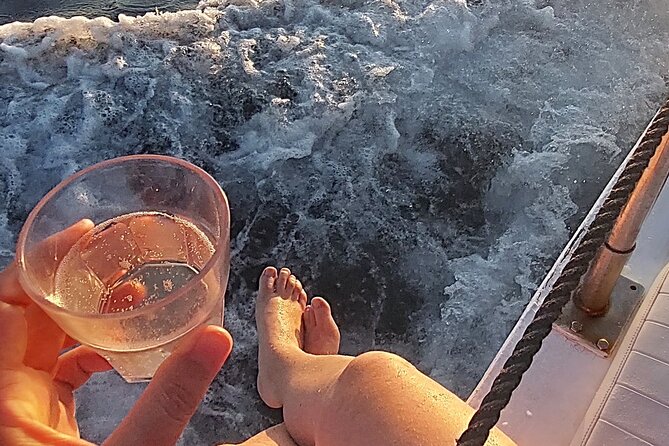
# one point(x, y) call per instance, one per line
point(597, 233)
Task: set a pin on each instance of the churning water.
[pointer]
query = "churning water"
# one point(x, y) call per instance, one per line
point(419, 163)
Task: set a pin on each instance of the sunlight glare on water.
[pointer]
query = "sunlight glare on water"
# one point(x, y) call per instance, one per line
point(24, 10)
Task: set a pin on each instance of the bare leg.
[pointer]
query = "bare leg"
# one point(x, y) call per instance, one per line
point(374, 399)
point(274, 436)
point(320, 336)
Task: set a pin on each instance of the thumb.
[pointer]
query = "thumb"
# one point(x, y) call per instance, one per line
point(170, 400)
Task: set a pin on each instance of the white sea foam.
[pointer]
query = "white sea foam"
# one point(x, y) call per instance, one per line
point(418, 162)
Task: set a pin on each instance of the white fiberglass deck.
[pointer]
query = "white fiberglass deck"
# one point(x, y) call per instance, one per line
point(632, 405)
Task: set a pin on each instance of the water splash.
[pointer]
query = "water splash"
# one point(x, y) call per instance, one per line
point(418, 163)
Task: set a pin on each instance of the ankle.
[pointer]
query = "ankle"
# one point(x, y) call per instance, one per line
point(277, 372)
point(286, 356)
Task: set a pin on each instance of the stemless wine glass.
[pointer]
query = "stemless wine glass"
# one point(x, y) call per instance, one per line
point(154, 267)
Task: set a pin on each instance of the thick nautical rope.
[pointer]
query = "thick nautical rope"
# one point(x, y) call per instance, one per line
point(597, 233)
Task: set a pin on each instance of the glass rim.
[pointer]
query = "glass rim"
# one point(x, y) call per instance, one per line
point(37, 297)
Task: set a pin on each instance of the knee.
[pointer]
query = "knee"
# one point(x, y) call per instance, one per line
point(379, 359)
point(376, 366)
point(369, 380)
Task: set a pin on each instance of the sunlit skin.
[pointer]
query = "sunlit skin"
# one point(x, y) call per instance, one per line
point(299, 370)
point(376, 398)
point(37, 381)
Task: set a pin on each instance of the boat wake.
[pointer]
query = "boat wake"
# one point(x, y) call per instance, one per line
point(419, 163)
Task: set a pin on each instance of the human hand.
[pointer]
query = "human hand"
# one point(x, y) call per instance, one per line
point(37, 382)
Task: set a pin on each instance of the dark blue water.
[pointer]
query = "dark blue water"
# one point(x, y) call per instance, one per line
point(28, 10)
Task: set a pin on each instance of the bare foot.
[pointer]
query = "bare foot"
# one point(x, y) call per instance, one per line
point(279, 307)
point(321, 334)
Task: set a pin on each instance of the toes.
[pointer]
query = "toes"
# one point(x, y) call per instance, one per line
point(321, 310)
point(290, 287)
point(282, 281)
point(267, 279)
point(302, 298)
point(297, 290)
point(308, 317)
point(326, 324)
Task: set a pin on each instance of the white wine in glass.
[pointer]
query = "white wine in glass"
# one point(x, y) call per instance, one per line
point(139, 281)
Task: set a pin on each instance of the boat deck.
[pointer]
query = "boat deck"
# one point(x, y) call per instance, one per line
point(632, 405)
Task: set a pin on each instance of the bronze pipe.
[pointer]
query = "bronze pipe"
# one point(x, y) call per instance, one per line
point(594, 293)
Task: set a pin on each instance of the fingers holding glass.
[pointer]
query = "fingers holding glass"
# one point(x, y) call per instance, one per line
point(14, 335)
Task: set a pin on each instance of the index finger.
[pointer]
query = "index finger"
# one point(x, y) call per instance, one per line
point(11, 291)
point(45, 339)
point(55, 246)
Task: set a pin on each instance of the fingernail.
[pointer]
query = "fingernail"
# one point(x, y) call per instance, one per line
point(212, 347)
point(84, 224)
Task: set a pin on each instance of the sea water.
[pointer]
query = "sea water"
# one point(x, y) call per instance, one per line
point(418, 163)
point(12, 10)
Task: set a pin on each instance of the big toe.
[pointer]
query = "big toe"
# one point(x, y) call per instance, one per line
point(321, 334)
point(323, 317)
point(267, 281)
point(322, 310)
